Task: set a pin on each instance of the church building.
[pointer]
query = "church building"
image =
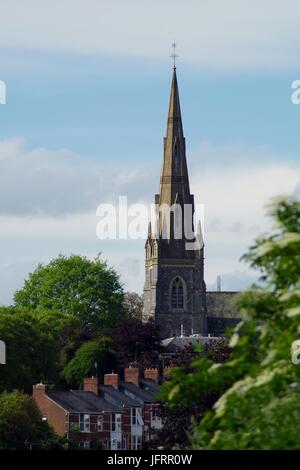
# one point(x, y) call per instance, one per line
point(174, 289)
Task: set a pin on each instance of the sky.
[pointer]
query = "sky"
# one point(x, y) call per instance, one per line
point(87, 90)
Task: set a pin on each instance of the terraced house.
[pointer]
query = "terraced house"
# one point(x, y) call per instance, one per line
point(114, 415)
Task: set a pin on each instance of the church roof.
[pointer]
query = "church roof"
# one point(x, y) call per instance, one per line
point(180, 342)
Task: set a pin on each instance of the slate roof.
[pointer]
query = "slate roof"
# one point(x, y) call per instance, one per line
point(140, 394)
point(180, 342)
point(117, 397)
point(97, 400)
point(148, 384)
point(77, 401)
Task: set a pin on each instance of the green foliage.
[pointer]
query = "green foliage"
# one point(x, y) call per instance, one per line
point(133, 304)
point(34, 340)
point(257, 388)
point(86, 289)
point(83, 363)
point(21, 425)
point(30, 350)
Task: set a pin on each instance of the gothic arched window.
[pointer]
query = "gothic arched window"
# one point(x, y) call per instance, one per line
point(148, 250)
point(177, 293)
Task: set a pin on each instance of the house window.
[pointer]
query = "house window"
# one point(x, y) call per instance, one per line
point(100, 423)
point(116, 444)
point(177, 294)
point(154, 413)
point(84, 425)
point(136, 442)
point(85, 444)
point(156, 422)
point(116, 423)
point(133, 416)
point(136, 417)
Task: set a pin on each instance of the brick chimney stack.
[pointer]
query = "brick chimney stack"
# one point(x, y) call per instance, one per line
point(132, 374)
point(112, 379)
point(38, 393)
point(151, 373)
point(39, 389)
point(91, 384)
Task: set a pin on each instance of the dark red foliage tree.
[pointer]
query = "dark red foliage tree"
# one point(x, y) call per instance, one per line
point(135, 341)
point(178, 420)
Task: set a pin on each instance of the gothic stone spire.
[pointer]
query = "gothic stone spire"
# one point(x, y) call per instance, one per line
point(174, 180)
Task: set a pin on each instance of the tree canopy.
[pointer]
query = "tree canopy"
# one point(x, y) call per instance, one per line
point(87, 289)
point(31, 350)
point(92, 358)
point(21, 425)
point(135, 341)
point(133, 304)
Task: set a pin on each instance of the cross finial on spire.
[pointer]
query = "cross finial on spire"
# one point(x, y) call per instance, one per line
point(174, 55)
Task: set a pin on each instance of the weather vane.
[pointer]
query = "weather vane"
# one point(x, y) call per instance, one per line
point(174, 55)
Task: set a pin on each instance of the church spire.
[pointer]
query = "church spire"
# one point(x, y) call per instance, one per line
point(174, 125)
point(174, 181)
point(174, 177)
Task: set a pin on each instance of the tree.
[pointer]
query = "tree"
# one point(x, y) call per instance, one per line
point(89, 290)
point(257, 388)
point(31, 350)
point(92, 358)
point(37, 342)
point(179, 419)
point(133, 304)
point(21, 425)
point(136, 341)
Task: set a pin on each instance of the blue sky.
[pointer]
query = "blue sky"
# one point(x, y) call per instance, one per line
point(91, 104)
point(87, 96)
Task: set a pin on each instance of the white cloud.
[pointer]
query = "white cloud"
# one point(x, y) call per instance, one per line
point(233, 182)
point(212, 33)
point(58, 182)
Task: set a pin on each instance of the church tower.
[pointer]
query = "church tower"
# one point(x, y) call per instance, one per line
point(174, 289)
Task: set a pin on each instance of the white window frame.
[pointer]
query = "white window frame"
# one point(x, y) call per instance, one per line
point(85, 444)
point(116, 444)
point(100, 423)
point(136, 442)
point(84, 422)
point(116, 422)
point(133, 416)
point(139, 417)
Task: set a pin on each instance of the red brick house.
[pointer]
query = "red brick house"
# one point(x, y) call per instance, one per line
point(118, 414)
point(81, 416)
